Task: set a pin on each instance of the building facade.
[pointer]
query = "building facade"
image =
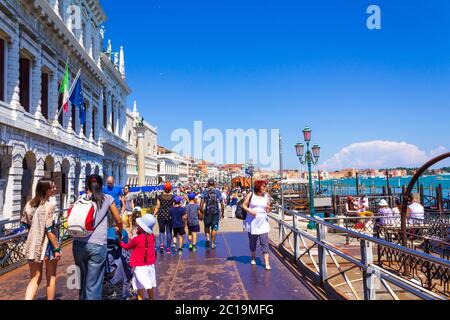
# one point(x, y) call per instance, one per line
point(37, 38)
point(150, 150)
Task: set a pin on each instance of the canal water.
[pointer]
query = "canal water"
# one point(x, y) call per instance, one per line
point(368, 185)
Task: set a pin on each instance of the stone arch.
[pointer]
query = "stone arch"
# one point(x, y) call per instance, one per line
point(77, 188)
point(97, 170)
point(49, 167)
point(29, 164)
point(64, 181)
point(87, 170)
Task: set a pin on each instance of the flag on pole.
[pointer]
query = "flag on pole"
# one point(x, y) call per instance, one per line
point(77, 98)
point(64, 89)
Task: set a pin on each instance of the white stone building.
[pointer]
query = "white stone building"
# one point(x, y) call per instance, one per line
point(36, 40)
point(150, 144)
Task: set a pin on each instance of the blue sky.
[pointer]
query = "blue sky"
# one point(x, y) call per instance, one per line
point(286, 64)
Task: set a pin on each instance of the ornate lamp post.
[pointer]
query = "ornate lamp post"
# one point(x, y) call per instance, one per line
point(310, 158)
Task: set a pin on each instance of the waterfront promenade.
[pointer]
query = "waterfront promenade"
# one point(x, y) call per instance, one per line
point(221, 274)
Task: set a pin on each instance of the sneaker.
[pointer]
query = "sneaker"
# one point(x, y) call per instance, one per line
point(161, 249)
point(253, 263)
point(168, 251)
point(180, 251)
point(174, 245)
point(268, 267)
point(194, 248)
point(213, 245)
point(191, 246)
point(207, 244)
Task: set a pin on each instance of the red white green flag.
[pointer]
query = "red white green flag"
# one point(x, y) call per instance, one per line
point(64, 89)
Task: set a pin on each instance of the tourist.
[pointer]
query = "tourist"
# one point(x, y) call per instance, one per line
point(233, 203)
point(42, 243)
point(143, 257)
point(117, 194)
point(163, 204)
point(385, 213)
point(350, 206)
point(397, 211)
point(90, 253)
point(129, 205)
point(211, 200)
point(416, 212)
point(257, 205)
point(179, 219)
point(193, 217)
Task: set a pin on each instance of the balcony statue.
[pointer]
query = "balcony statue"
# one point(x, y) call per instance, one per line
point(140, 122)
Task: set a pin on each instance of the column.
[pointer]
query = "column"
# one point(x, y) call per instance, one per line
point(89, 119)
point(53, 92)
point(110, 105)
point(35, 107)
point(13, 56)
point(140, 131)
point(12, 198)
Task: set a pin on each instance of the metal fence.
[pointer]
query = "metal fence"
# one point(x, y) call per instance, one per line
point(358, 271)
point(12, 241)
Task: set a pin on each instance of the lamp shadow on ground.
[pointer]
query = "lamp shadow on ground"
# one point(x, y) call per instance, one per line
point(246, 260)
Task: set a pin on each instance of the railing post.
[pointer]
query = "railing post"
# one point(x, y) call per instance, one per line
point(321, 235)
point(280, 226)
point(369, 277)
point(296, 247)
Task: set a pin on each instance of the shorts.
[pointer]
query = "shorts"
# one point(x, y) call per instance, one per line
point(179, 231)
point(144, 277)
point(212, 222)
point(193, 229)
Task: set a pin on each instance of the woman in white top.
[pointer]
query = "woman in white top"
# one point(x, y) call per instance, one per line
point(257, 205)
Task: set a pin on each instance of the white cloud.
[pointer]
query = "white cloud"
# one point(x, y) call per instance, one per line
point(380, 154)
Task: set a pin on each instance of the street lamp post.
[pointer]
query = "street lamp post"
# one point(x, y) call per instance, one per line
point(310, 158)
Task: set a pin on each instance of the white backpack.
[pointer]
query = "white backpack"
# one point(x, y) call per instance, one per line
point(81, 218)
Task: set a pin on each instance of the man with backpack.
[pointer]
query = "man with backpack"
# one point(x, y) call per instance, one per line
point(213, 209)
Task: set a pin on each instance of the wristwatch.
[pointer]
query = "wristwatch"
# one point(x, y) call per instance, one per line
point(57, 250)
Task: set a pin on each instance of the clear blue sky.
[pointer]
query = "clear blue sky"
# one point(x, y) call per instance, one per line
point(287, 64)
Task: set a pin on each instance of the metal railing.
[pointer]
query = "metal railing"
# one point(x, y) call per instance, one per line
point(12, 241)
point(326, 259)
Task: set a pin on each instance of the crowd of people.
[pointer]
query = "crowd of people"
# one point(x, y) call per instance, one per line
point(110, 207)
point(385, 215)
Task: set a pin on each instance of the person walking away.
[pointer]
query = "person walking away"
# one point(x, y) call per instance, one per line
point(129, 205)
point(257, 205)
point(90, 252)
point(193, 217)
point(234, 201)
point(211, 200)
point(164, 202)
point(143, 257)
point(179, 220)
point(42, 244)
point(117, 194)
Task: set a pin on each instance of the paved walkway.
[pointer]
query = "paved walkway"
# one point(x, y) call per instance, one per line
point(221, 274)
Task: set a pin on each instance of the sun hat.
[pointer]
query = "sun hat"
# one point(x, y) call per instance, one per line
point(191, 196)
point(167, 187)
point(146, 223)
point(383, 203)
point(137, 209)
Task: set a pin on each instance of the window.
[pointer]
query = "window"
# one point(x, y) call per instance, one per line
point(24, 83)
point(105, 112)
point(44, 94)
point(84, 124)
point(94, 116)
point(2, 69)
point(60, 103)
point(112, 117)
point(74, 119)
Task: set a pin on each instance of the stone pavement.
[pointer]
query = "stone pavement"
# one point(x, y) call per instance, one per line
point(223, 274)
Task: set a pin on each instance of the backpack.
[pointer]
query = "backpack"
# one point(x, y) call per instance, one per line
point(211, 206)
point(241, 214)
point(81, 218)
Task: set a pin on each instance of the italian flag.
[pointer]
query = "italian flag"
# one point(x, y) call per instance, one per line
point(64, 89)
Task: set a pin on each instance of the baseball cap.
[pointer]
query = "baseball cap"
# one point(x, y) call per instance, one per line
point(167, 186)
point(177, 199)
point(192, 196)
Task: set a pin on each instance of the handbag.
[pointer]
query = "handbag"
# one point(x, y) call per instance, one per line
point(241, 214)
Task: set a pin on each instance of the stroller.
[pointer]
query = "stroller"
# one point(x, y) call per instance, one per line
point(118, 274)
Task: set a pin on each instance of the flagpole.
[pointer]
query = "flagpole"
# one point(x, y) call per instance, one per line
point(72, 87)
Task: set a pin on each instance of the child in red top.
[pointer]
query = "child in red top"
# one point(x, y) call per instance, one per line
point(143, 257)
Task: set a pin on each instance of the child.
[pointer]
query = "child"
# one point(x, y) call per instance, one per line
point(137, 213)
point(143, 257)
point(193, 215)
point(178, 214)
